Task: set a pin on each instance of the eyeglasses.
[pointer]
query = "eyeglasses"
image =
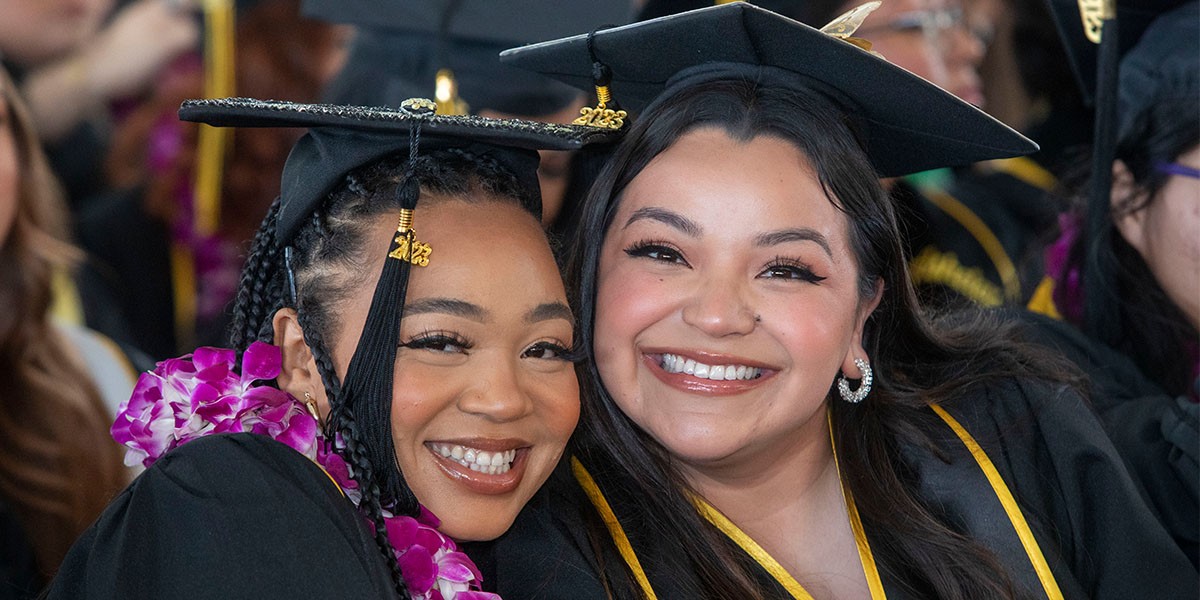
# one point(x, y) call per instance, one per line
point(934, 24)
point(1177, 169)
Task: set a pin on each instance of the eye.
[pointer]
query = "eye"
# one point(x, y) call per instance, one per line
point(439, 341)
point(547, 350)
point(788, 268)
point(656, 251)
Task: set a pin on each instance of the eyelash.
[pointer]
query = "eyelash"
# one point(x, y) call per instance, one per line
point(645, 249)
point(797, 269)
point(571, 355)
point(438, 341)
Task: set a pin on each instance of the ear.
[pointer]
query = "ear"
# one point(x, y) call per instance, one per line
point(1130, 224)
point(298, 374)
point(856, 349)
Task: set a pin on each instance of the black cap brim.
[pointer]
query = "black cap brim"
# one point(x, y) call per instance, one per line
point(910, 124)
point(342, 138)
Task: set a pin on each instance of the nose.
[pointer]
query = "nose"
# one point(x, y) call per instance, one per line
point(963, 46)
point(496, 393)
point(720, 308)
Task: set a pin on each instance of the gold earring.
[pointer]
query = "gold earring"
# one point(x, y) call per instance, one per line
point(311, 405)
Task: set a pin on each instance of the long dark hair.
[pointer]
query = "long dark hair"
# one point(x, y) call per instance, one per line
point(58, 465)
point(329, 258)
point(916, 361)
point(1153, 332)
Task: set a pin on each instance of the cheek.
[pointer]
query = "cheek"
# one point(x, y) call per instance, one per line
point(556, 404)
point(420, 395)
point(627, 303)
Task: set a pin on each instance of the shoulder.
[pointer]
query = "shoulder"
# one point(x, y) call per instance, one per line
point(226, 515)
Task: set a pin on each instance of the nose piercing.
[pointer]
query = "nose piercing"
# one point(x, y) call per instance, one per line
point(758, 318)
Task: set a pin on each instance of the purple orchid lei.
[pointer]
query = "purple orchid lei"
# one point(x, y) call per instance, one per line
point(202, 393)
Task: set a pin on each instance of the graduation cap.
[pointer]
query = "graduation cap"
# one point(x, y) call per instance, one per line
point(1079, 26)
point(408, 48)
point(805, 11)
point(905, 123)
point(1127, 55)
point(341, 139)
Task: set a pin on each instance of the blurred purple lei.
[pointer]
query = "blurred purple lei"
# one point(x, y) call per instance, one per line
point(203, 393)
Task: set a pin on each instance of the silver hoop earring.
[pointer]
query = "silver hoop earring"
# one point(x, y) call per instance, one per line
point(864, 386)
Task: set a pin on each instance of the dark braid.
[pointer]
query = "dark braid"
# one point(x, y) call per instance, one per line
point(354, 453)
point(257, 299)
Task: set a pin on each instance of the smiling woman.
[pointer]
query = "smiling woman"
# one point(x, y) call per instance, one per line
point(439, 371)
point(770, 413)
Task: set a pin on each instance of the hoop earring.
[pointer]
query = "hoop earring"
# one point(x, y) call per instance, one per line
point(864, 386)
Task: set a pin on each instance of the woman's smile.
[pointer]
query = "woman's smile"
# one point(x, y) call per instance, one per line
point(483, 466)
point(706, 373)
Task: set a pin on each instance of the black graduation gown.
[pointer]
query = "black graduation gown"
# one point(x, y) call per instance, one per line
point(127, 283)
point(1095, 532)
point(1158, 436)
point(979, 240)
point(227, 516)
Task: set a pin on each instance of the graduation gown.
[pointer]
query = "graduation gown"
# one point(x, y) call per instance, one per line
point(1084, 517)
point(978, 239)
point(227, 516)
point(1156, 435)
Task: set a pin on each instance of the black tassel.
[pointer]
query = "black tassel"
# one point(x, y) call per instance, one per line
point(1102, 317)
point(370, 377)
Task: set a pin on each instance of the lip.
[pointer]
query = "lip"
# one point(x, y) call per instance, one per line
point(707, 387)
point(482, 483)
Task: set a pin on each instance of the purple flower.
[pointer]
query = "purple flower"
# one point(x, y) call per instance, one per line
point(203, 393)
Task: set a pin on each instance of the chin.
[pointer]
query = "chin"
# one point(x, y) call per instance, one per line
point(477, 528)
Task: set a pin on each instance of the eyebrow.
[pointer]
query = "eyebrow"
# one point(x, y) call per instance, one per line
point(448, 306)
point(549, 310)
point(666, 217)
point(798, 234)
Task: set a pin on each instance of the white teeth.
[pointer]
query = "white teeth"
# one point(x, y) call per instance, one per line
point(482, 461)
point(672, 363)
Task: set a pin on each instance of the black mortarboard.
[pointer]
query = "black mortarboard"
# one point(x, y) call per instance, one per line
point(905, 123)
point(805, 11)
point(1134, 16)
point(402, 46)
point(341, 139)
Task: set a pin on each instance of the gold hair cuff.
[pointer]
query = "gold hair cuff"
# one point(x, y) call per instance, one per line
point(408, 248)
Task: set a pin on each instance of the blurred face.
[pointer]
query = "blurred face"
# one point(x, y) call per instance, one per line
point(554, 170)
point(9, 180)
point(931, 39)
point(484, 400)
point(727, 301)
point(35, 31)
point(1165, 234)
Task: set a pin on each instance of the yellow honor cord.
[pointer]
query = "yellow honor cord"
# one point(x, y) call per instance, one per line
point(614, 526)
point(219, 82)
point(984, 236)
point(1011, 508)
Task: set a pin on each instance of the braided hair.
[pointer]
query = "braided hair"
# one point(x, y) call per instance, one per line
point(321, 265)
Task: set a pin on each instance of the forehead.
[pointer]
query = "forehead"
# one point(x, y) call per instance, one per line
point(486, 250)
point(732, 186)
